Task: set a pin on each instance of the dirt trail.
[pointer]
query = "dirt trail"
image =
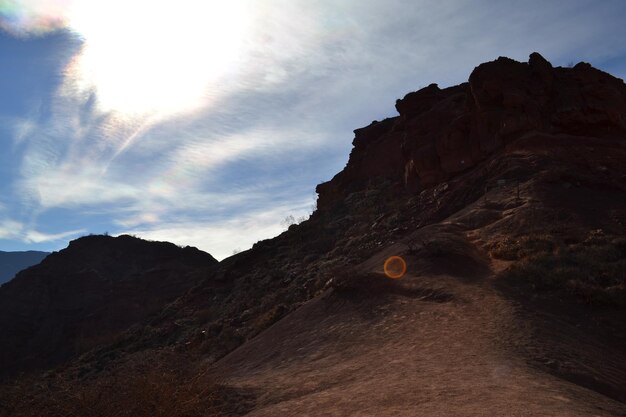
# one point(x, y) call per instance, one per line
point(427, 345)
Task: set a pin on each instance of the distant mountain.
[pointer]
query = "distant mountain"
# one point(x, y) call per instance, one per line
point(13, 262)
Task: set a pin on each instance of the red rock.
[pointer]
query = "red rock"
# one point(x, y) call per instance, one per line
point(441, 132)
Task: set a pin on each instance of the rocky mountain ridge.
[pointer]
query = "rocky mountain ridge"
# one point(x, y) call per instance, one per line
point(442, 132)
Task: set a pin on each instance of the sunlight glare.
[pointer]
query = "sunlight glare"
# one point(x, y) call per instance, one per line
point(147, 57)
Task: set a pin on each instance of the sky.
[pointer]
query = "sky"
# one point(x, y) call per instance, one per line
point(207, 123)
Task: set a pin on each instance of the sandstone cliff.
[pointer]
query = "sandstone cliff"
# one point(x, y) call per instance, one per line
point(442, 132)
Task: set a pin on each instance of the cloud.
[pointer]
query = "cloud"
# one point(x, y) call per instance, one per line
point(84, 171)
point(9, 229)
point(33, 236)
point(221, 238)
point(22, 129)
point(15, 230)
point(64, 188)
point(89, 153)
point(33, 17)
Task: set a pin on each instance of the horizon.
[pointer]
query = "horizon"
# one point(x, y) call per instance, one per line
point(231, 114)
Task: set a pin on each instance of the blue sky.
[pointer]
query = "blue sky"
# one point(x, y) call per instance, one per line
point(208, 123)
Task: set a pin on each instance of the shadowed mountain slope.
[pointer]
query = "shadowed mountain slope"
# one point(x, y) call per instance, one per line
point(507, 197)
point(85, 295)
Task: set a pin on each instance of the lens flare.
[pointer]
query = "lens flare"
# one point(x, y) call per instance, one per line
point(33, 17)
point(395, 267)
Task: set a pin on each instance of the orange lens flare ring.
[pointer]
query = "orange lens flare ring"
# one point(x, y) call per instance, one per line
point(395, 267)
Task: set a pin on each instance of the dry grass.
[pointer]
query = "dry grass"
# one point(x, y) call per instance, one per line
point(522, 247)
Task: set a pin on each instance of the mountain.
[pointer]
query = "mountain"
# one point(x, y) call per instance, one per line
point(87, 294)
point(506, 198)
point(13, 262)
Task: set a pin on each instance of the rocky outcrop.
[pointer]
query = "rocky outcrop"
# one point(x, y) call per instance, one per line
point(442, 132)
point(87, 294)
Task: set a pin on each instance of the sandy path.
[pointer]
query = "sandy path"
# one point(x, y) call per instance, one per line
point(431, 345)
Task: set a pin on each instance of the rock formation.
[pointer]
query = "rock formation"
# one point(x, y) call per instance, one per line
point(442, 132)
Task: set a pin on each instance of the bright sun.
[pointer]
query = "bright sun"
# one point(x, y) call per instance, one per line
point(147, 57)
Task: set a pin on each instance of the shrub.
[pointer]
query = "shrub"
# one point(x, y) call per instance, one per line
point(594, 271)
point(514, 249)
point(144, 389)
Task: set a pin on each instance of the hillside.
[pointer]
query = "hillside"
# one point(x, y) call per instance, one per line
point(506, 195)
point(87, 294)
point(13, 262)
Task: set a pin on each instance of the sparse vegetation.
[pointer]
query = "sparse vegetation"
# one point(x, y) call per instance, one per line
point(593, 270)
point(290, 220)
point(150, 390)
point(272, 316)
point(514, 249)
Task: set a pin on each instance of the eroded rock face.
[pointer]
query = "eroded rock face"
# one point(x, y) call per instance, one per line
point(441, 132)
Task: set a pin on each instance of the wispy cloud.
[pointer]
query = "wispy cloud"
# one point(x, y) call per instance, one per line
point(39, 237)
point(14, 230)
point(22, 129)
point(221, 238)
point(10, 229)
